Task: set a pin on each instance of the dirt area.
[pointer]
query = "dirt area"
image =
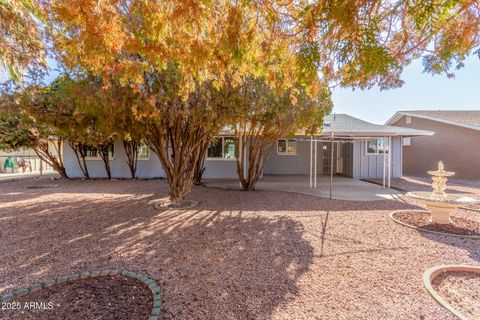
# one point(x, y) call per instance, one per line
point(461, 290)
point(237, 255)
point(461, 222)
point(104, 297)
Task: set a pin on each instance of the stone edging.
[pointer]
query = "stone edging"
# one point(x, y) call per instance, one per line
point(431, 273)
point(155, 313)
point(391, 215)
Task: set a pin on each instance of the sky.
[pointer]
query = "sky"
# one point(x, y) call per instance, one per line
point(421, 91)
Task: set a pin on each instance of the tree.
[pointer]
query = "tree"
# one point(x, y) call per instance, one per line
point(178, 128)
point(20, 39)
point(125, 102)
point(13, 135)
point(261, 116)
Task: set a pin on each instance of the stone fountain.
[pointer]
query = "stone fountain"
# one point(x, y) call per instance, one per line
point(441, 204)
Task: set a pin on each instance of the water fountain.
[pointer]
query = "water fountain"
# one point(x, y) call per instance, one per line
point(441, 204)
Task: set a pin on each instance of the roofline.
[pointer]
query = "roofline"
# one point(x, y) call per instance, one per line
point(358, 134)
point(399, 114)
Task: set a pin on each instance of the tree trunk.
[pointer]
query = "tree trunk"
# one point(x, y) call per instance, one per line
point(103, 152)
point(131, 151)
point(200, 164)
point(56, 162)
point(259, 148)
point(79, 150)
point(179, 156)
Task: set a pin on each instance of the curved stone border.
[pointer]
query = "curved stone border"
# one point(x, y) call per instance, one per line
point(431, 273)
point(84, 275)
point(391, 215)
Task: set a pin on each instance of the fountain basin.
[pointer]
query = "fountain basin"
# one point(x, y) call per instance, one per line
point(441, 207)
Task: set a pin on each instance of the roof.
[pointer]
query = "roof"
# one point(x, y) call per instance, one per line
point(462, 118)
point(343, 124)
point(348, 126)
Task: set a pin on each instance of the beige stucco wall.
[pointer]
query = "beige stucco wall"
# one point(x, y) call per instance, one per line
point(457, 147)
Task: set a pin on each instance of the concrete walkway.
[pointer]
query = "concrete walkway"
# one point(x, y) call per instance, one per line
point(343, 188)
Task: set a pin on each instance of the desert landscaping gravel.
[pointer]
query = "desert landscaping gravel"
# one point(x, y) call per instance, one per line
point(104, 297)
point(461, 290)
point(237, 255)
point(459, 225)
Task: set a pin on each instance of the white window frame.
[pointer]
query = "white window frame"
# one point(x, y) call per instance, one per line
point(406, 141)
point(149, 152)
point(376, 153)
point(98, 155)
point(286, 153)
point(223, 150)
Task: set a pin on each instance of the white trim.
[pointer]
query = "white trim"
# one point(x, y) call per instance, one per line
point(397, 116)
point(286, 153)
point(376, 153)
point(223, 151)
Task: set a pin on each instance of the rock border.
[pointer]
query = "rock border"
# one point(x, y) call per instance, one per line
point(154, 314)
point(391, 215)
point(431, 273)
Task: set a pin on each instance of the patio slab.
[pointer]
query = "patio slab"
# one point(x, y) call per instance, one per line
point(343, 188)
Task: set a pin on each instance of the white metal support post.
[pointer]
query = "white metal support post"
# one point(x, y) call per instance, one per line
point(315, 166)
point(384, 159)
point(389, 160)
point(311, 156)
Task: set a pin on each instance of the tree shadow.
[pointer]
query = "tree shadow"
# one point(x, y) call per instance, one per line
point(209, 264)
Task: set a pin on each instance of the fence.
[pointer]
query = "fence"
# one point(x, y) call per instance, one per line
point(22, 164)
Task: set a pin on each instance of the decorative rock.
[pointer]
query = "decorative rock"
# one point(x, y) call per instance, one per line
point(146, 280)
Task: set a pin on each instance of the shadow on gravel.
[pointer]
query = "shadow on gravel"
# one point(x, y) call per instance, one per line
point(209, 264)
point(470, 245)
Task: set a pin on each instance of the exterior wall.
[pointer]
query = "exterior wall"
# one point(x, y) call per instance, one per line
point(220, 169)
point(457, 147)
point(294, 164)
point(146, 168)
point(371, 166)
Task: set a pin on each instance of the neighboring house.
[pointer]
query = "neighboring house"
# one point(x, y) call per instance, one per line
point(358, 153)
point(456, 141)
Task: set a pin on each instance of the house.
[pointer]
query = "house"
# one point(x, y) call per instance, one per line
point(456, 141)
point(360, 150)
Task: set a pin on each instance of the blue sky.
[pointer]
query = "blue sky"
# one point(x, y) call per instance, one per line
point(420, 91)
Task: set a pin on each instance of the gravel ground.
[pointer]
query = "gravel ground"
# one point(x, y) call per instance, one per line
point(461, 222)
point(411, 183)
point(238, 255)
point(104, 297)
point(461, 290)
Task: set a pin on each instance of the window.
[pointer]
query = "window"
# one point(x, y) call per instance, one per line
point(377, 146)
point(407, 142)
point(143, 151)
point(92, 153)
point(222, 148)
point(408, 119)
point(287, 146)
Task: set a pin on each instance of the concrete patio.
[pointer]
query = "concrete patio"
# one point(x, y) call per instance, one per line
point(343, 188)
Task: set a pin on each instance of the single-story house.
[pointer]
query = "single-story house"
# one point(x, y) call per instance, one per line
point(456, 141)
point(360, 150)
